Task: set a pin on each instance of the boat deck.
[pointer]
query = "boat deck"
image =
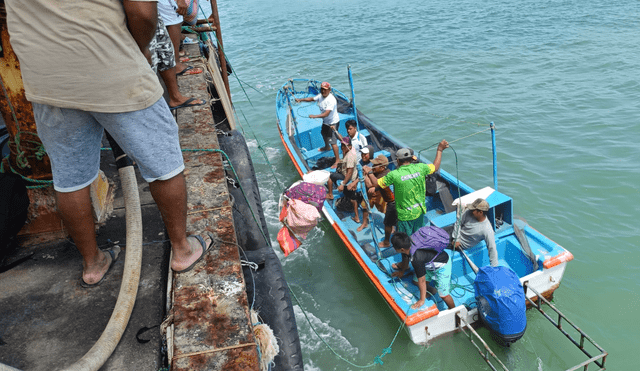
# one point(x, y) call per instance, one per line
point(48, 321)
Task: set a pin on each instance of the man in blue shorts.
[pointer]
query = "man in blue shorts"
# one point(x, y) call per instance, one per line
point(84, 70)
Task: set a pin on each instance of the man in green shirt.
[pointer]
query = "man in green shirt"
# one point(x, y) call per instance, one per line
point(408, 182)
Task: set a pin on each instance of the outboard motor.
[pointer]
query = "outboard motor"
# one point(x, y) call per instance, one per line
point(501, 303)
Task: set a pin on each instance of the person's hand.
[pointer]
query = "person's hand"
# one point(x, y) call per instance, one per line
point(458, 244)
point(418, 304)
point(371, 190)
point(297, 100)
point(351, 186)
point(398, 273)
point(443, 145)
point(182, 7)
point(366, 169)
point(341, 187)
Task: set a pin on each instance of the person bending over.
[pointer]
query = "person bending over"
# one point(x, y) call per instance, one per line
point(475, 227)
point(429, 266)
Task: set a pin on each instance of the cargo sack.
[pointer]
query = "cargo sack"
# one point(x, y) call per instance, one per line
point(301, 217)
point(288, 241)
point(308, 193)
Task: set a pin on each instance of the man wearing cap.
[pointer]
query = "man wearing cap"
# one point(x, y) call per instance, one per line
point(382, 198)
point(329, 114)
point(408, 182)
point(365, 155)
point(475, 227)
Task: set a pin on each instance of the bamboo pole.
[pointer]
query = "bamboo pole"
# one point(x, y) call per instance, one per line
point(223, 61)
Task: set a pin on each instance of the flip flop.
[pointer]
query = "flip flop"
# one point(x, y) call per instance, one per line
point(186, 104)
point(114, 252)
point(205, 248)
point(189, 71)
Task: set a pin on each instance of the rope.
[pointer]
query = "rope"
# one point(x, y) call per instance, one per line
point(213, 350)
point(377, 360)
point(266, 239)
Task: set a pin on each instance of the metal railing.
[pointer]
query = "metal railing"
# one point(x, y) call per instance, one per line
point(558, 324)
point(488, 352)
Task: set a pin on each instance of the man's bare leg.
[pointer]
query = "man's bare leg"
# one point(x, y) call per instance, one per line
point(171, 82)
point(175, 33)
point(171, 197)
point(77, 215)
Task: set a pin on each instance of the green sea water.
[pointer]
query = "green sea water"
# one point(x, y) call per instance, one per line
point(560, 81)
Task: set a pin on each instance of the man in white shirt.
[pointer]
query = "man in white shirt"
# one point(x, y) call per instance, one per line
point(330, 119)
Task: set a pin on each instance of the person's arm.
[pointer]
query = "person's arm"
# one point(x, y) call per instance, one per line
point(490, 240)
point(441, 147)
point(422, 286)
point(347, 179)
point(320, 116)
point(310, 99)
point(402, 267)
point(142, 20)
point(182, 7)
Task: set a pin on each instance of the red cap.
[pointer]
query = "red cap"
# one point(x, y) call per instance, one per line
point(325, 85)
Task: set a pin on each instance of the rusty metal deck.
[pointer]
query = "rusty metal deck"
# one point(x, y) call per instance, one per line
point(211, 325)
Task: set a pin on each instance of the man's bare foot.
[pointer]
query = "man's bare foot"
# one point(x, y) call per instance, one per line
point(357, 220)
point(181, 263)
point(329, 197)
point(324, 149)
point(363, 226)
point(93, 275)
point(384, 244)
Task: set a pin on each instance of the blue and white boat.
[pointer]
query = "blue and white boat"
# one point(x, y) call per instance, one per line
point(540, 266)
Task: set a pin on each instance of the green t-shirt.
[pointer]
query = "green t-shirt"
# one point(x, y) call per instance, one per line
point(409, 188)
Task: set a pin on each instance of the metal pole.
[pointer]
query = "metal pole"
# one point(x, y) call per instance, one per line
point(495, 156)
point(353, 97)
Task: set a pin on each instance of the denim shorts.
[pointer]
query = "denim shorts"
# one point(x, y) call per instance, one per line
point(72, 139)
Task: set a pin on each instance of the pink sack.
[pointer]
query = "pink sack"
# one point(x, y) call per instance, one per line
point(301, 217)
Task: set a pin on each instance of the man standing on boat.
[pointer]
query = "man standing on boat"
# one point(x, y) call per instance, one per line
point(408, 182)
point(84, 70)
point(330, 118)
point(475, 227)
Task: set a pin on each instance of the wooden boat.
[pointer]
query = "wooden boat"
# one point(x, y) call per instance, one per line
point(541, 269)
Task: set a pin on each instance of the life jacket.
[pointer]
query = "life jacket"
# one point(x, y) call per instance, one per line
point(429, 237)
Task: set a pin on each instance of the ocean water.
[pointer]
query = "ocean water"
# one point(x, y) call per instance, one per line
point(560, 79)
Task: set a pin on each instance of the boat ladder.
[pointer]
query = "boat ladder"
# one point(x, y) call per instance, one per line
point(487, 354)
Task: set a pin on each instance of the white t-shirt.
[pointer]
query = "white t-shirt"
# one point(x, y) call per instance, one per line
point(358, 142)
point(328, 104)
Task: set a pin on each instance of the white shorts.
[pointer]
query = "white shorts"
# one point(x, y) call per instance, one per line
point(167, 10)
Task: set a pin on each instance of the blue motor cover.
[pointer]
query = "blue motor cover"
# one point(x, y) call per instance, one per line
point(501, 301)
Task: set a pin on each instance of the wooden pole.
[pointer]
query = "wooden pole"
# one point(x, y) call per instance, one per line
point(223, 61)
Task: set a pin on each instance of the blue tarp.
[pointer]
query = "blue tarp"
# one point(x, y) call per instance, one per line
point(501, 300)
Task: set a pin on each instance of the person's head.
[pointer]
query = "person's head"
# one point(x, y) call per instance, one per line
point(365, 153)
point(346, 144)
point(404, 156)
point(352, 127)
point(325, 89)
point(379, 164)
point(479, 208)
point(401, 242)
